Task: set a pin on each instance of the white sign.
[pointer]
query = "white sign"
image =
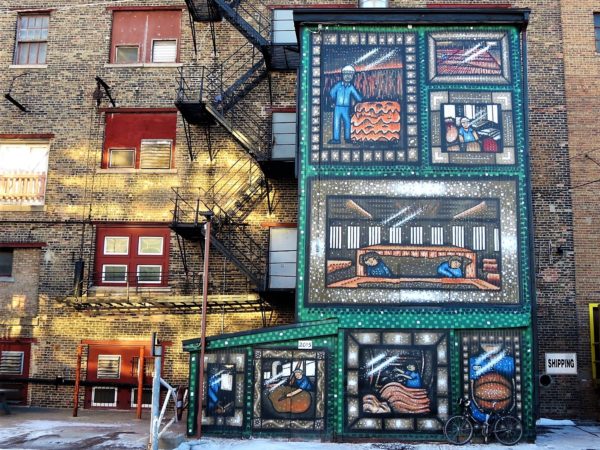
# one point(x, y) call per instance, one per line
point(304, 345)
point(561, 363)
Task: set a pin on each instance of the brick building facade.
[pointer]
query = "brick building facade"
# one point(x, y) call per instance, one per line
point(126, 191)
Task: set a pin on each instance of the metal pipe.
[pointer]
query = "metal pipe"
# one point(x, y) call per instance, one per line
point(155, 420)
point(207, 231)
point(77, 380)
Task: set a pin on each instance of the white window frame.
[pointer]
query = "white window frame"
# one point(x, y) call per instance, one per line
point(163, 40)
point(104, 266)
point(106, 405)
point(13, 353)
point(162, 246)
point(137, 46)
point(108, 357)
point(137, 274)
point(134, 398)
point(104, 250)
point(120, 149)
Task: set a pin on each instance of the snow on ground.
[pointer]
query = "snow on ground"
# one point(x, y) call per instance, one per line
point(47, 429)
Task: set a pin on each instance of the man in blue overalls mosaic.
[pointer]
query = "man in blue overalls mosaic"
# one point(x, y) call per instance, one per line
point(342, 94)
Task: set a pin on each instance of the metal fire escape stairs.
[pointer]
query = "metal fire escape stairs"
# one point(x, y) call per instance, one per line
point(209, 95)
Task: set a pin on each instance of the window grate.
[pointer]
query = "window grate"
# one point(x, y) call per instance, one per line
point(109, 366)
point(11, 362)
point(155, 154)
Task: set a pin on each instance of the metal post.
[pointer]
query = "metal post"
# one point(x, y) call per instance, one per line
point(207, 232)
point(77, 380)
point(138, 412)
point(154, 422)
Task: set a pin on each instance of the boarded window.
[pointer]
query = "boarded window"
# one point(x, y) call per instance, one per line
point(164, 51)
point(155, 154)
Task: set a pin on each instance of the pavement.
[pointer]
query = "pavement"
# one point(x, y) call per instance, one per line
point(46, 428)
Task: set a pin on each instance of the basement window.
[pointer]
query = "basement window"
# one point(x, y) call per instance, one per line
point(104, 396)
point(139, 140)
point(146, 398)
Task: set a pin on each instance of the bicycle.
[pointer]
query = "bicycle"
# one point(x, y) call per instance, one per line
point(458, 429)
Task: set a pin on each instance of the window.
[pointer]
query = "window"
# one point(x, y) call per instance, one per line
point(104, 396)
point(597, 31)
point(23, 171)
point(145, 36)
point(282, 258)
point(335, 237)
point(478, 238)
point(132, 256)
point(11, 362)
point(395, 235)
point(6, 262)
point(109, 367)
point(374, 235)
point(353, 237)
point(437, 236)
point(416, 235)
point(32, 39)
point(139, 140)
point(284, 135)
point(146, 398)
point(458, 236)
point(283, 27)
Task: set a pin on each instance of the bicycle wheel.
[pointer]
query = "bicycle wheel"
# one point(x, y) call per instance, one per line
point(508, 430)
point(458, 430)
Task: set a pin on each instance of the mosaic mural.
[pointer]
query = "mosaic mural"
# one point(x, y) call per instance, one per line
point(289, 390)
point(399, 241)
point(469, 57)
point(396, 380)
point(224, 379)
point(491, 370)
point(364, 108)
point(471, 128)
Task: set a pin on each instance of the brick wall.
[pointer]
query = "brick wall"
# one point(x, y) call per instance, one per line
point(61, 98)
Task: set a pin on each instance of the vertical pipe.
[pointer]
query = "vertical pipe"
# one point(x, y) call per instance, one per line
point(154, 423)
point(138, 412)
point(77, 380)
point(203, 321)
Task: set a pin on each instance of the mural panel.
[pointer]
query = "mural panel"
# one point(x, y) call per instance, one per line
point(289, 390)
point(471, 128)
point(469, 57)
point(491, 368)
point(399, 241)
point(223, 400)
point(396, 381)
point(364, 98)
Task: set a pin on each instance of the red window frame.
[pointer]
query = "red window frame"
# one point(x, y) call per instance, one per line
point(140, 28)
point(133, 258)
point(126, 130)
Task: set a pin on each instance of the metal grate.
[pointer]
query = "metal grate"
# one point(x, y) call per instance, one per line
point(11, 362)
point(104, 396)
point(109, 366)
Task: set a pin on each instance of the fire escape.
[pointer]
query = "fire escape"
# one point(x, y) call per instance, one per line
point(213, 95)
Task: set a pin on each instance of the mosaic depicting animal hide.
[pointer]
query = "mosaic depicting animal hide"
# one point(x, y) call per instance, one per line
point(469, 57)
point(396, 380)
